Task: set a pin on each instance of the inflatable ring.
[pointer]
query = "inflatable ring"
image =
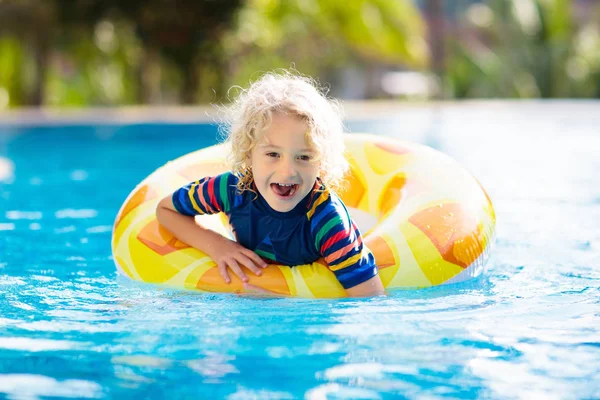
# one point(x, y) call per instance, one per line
point(427, 221)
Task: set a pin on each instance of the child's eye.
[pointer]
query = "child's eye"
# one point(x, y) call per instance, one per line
point(272, 154)
point(305, 158)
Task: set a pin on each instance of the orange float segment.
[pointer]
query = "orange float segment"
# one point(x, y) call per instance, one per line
point(467, 249)
point(143, 194)
point(160, 240)
point(391, 195)
point(452, 231)
point(381, 251)
point(271, 279)
point(355, 189)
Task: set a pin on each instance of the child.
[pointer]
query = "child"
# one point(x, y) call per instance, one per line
point(287, 159)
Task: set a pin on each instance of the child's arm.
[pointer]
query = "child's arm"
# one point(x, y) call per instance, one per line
point(180, 222)
point(340, 243)
point(371, 287)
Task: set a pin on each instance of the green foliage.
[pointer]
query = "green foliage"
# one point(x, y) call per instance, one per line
point(88, 68)
point(95, 67)
point(117, 52)
point(525, 48)
point(315, 36)
point(11, 72)
point(112, 52)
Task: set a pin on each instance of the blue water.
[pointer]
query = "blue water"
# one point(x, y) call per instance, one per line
point(529, 328)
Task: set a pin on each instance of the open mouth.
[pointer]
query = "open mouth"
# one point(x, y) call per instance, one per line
point(285, 190)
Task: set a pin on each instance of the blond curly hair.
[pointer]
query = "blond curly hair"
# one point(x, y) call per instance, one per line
point(291, 93)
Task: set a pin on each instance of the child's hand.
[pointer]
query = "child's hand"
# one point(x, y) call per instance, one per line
point(227, 253)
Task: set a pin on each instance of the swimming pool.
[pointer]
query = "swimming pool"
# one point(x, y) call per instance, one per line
point(69, 327)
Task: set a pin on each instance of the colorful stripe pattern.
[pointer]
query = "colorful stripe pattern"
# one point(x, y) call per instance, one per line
point(209, 195)
point(333, 235)
point(338, 240)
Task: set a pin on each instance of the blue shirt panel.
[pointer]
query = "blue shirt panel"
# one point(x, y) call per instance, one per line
point(285, 236)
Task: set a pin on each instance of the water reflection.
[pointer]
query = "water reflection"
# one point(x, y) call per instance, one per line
point(32, 386)
point(7, 169)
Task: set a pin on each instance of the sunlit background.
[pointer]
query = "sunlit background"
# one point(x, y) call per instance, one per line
point(111, 52)
point(74, 143)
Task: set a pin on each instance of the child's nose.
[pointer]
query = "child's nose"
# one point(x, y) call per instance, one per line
point(287, 169)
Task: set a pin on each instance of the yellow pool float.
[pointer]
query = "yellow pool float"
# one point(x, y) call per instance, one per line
point(427, 221)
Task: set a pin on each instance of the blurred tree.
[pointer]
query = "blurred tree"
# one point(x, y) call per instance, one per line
point(91, 60)
point(525, 48)
point(86, 52)
point(435, 21)
point(187, 32)
point(318, 36)
point(54, 34)
point(26, 21)
point(11, 76)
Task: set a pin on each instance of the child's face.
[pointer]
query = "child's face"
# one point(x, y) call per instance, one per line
point(283, 165)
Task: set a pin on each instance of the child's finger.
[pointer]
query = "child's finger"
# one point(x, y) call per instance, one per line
point(234, 266)
point(249, 264)
point(223, 272)
point(257, 260)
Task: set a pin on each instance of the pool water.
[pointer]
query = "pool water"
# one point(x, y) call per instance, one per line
point(528, 328)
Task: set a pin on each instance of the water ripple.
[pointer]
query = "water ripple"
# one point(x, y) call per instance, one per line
point(528, 328)
point(31, 386)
